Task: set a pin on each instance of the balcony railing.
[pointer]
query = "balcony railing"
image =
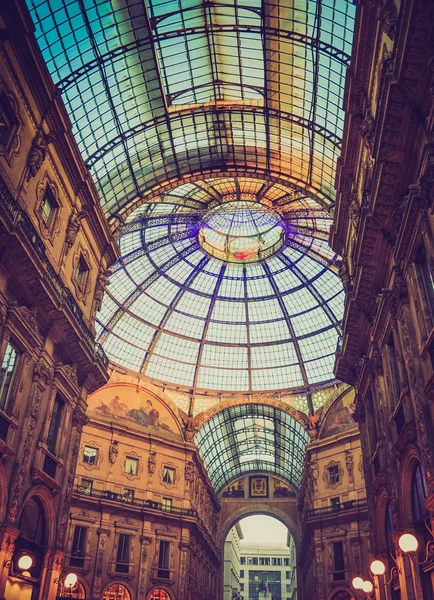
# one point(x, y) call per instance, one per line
point(337, 508)
point(137, 502)
point(21, 221)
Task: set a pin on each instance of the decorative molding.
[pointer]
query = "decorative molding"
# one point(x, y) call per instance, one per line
point(327, 478)
point(50, 231)
point(81, 291)
point(11, 146)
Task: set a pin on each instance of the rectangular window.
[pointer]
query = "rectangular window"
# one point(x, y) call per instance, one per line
point(166, 504)
point(338, 561)
point(131, 465)
point(123, 553)
point(164, 560)
point(128, 495)
point(78, 549)
point(243, 560)
point(335, 503)
point(242, 573)
point(288, 575)
point(82, 272)
point(86, 486)
point(169, 475)
point(8, 369)
point(90, 455)
point(335, 475)
point(241, 587)
point(286, 562)
point(55, 422)
point(48, 206)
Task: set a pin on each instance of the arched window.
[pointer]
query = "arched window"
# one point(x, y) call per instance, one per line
point(33, 537)
point(116, 592)
point(159, 594)
point(77, 592)
point(342, 595)
point(389, 526)
point(418, 495)
point(32, 522)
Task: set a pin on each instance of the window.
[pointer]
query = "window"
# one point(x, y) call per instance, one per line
point(338, 561)
point(288, 575)
point(264, 561)
point(48, 207)
point(242, 573)
point(166, 504)
point(335, 503)
point(286, 562)
point(427, 280)
point(78, 549)
point(243, 560)
point(123, 553)
point(393, 366)
point(8, 121)
point(164, 559)
point(8, 369)
point(82, 272)
point(288, 587)
point(334, 473)
point(169, 475)
point(277, 562)
point(159, 595)
point(252, 560)
point(128, 495)
point(131, 465)
point(86, 486)
point(418, 495)
point(241, 587)
point(90, 455)
point(55, 422)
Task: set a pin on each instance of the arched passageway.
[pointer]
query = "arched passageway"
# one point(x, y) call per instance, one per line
point(259, 557)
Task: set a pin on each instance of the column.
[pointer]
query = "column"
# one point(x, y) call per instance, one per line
point(145, 541)
point(8, 535)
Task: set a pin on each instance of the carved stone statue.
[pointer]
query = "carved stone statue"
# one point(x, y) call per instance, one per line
point(102, 282)
point(113, 452)
point(73, 227)
point(350, 464)
point(37, 154)
point(152, 462)
point(367, 130)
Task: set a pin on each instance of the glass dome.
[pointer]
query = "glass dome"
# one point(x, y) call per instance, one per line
point(175, 313)
point(241, 232)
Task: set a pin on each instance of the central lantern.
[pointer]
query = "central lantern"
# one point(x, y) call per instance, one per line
point(241, 232)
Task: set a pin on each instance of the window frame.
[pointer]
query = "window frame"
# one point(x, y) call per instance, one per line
point(88, 463)
point(7, 405)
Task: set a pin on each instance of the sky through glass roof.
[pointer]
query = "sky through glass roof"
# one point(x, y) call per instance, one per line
point(175, 313)
point(252, 438)
point(161, 90)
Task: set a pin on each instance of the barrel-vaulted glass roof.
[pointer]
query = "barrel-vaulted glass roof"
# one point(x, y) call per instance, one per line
point(251, 438)
point(176, 313)
point(158, 90)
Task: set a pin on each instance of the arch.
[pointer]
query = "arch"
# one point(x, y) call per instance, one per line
point(409, 461)
point(44, 496)
point(159, 592)
point(381, 507)
point(255, 437)
point(170, 183)
point(139, 387)
point(257, 509)
point(342, 594)
point(296, 414)
point(117, 586)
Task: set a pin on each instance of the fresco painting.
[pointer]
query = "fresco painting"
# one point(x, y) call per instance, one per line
point(126, 403)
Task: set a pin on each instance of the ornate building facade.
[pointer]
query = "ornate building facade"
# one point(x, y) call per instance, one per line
point(170, 306)
point(383, 228)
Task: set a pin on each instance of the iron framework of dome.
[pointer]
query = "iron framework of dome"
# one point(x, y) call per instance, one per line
point(166, 97)
point(177, 314)
point(252, 438)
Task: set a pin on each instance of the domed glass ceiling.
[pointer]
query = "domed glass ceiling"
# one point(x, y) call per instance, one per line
point(175, 313)
point(251, 438)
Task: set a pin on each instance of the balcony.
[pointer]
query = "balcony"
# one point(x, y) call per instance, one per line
point(342, 507)
point(139, 503)
point(22, 226)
